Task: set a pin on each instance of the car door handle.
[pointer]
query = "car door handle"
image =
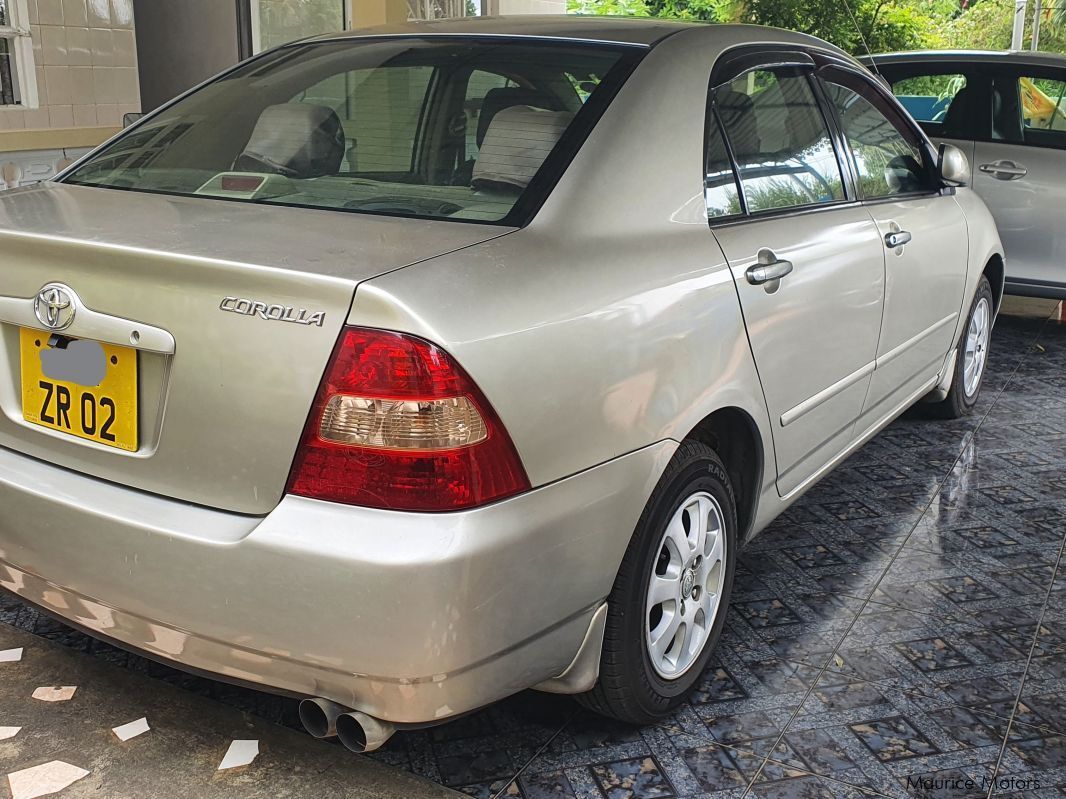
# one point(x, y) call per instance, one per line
point(1004, 170)
point(765, 272)
point(897, 238)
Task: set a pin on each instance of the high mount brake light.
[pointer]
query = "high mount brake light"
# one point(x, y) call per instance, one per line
point(398, 424)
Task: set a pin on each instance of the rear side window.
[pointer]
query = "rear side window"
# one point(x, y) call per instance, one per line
point(780, 141)
point(1031, 110)
point(942, 102)
point(472, 129)
point(888, 156)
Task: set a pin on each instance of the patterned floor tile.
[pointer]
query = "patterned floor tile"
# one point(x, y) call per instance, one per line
point(627, 779)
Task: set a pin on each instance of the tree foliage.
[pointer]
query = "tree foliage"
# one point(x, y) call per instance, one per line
point(628, 8)
point(854, 25)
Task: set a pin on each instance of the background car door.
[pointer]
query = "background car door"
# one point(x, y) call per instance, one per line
point(1021, 172)
point(807, 262)
point(924, 236)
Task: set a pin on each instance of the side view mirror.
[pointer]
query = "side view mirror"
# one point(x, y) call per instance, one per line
point(129, 119)
point(953, 166)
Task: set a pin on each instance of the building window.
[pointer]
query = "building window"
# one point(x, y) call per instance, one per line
point(276, 22)
point(18, 84)
point(435, 9)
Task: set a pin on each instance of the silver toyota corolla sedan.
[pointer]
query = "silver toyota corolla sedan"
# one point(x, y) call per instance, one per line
point(406, 369)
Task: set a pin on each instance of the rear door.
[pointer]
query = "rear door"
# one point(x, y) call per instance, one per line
point(1021, 169)
point(922, 230)
point(806, 259)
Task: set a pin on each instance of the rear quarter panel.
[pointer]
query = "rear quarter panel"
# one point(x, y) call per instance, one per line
point(611, 322)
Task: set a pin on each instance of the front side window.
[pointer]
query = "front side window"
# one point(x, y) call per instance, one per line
point(888, 157)
point(779, 140)
point(941, 101)
point(442, 128)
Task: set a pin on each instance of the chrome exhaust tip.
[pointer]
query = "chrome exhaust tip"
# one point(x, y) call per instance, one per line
point(319, 717)
point(362, 733)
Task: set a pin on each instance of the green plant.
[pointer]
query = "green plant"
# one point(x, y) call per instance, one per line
point(628, 8)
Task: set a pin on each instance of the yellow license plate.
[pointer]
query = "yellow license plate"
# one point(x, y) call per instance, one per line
point(81, 387)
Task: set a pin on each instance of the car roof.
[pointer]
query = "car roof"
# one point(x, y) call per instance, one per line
point(644, 31)
point(635, 31)
point(969, 56)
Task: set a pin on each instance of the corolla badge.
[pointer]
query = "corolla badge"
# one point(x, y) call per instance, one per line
point(54, 306)
point(272, 313)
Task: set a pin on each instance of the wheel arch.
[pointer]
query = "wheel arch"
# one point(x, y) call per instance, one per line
point(734, 435)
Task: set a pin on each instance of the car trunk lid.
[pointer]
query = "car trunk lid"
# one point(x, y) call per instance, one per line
point(253, 297)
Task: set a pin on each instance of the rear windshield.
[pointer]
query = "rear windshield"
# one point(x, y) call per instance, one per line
point(467, 129)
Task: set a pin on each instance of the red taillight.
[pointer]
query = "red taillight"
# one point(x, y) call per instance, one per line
point(398, 424)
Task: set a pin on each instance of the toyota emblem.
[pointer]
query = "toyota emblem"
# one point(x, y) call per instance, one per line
point(54, 306)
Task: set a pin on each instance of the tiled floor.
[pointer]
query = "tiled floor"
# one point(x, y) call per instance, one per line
point(899, 632)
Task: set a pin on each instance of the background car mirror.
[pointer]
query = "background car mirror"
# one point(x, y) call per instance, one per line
point(130, 118)
point(953, 166)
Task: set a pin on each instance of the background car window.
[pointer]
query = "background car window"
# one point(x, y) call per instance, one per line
point(888, 158)
point(943, 102)
point(779, 139)
point(1033, 109)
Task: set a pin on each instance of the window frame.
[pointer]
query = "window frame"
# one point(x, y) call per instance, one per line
point(20, 44)
point(889, 106)
point(738, 62)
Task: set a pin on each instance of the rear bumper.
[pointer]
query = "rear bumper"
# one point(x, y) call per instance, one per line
point(408, 617)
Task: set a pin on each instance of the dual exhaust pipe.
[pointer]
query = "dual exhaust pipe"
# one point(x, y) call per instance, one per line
point(357, 731)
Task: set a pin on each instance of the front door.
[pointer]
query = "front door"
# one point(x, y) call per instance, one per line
point(807, 261)
point(923, 234)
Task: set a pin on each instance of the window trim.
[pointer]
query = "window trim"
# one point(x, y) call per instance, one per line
point(20, 42)
point(903, 119)
point(772, 58)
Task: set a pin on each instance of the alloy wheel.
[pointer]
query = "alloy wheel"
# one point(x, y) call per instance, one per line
point(685, 585)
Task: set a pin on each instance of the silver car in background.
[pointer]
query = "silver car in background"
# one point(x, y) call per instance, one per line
point(1006, 112)
point(403, 370)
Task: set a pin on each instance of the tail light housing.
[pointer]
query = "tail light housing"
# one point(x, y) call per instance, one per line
point(398, 424)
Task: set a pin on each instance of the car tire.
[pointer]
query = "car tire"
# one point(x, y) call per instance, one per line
point(642, 678)
point(971, 360)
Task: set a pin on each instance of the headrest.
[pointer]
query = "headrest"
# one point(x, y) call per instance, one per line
point(498, 99)
point(957, 117)
point(298, 140)
point(518, 140)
